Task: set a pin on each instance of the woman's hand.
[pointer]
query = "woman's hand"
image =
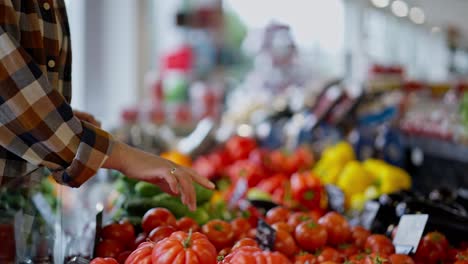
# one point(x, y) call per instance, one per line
point(83, 116)
point(172, 178)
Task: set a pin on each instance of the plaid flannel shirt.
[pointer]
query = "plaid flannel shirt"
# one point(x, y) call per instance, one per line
point(37, 125)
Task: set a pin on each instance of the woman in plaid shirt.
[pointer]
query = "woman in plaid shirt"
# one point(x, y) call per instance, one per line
point(37, 125)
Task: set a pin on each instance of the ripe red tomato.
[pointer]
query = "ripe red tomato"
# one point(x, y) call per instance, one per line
point(277, 214)
point(183, 248)
point(244, 242)
point(348, 250)
point(254, 255)
point(283, 226)
point(123, 232)
point(219, 233)
point(239, 147)
point(285, 244)
point(329, 254)
point(306, 258)
point(186, 224)
point(160, 233)
point(252, 233)
point(298, 217)
point(310, 236)
point(142, 255)
point(432, 249)
point(376, 258)
point(359, 235)
point(123, 256)
point(109, 248)
point(400, 259)
point(330, 262)
point(157, 217)
point(380, 244)
point(104, 261)
point(241, 227)
point(357, 258)
point(337, 227)
point(224, 252)
point(139, 239)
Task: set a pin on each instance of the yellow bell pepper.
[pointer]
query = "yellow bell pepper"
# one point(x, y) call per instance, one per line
point(389, 178)
point(354, 179)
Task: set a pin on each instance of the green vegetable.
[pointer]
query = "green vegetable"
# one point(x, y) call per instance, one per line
point(139, 206)
point(200, 216)
point(203, 194)
point(145, 189)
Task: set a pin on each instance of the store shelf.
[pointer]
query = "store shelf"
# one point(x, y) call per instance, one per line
point(438, 148)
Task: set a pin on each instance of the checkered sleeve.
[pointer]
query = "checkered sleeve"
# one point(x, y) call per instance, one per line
point(36, 122)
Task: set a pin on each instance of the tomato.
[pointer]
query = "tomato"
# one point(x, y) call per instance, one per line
point(183, 248)
point(219, 232)
point(123, 232)
point(277, 214)
point(400, 259)
point(329, 254)
point(224, 252)
point(142, 255)
point(161, 232)
point(330, 262)
point(462, 255)
point(254, 255)
point(298, 217)
point(376, 258)
point(241, 227)
point(357, 258)
point(186, 224)
point(306, 258)
point(109, 248)
point(461, 262)
point(104, 261)
point(244, 242)
point(123, 256)
point(247, 170)
point(283, 226)
point(359, 235)
point(348, 250)
point(284, 243)
point(239, 147)
point(380, 244)
point(157, 217)
point(307, 190)
point(139, 239)
point(310, 236)
point(432, 248)
point(252, 233)
point(337, 227)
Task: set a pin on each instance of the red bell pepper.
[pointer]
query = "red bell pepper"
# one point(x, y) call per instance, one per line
point(239, 148)
point(248, 170)
point(307, 190)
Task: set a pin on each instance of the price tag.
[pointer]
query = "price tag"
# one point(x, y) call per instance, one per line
point(239, 192)
point(409, 233)
point(98, 230)
point(336, 198)
point(265, 236)
point(369, 213)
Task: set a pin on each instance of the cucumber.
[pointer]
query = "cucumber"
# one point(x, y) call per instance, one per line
point(139, 206)
point(145, 189)
point(203, 194)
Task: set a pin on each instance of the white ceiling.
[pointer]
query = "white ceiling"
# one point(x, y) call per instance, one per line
point(444, 13)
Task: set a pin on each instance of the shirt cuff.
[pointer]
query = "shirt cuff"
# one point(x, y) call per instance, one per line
point(93, 150)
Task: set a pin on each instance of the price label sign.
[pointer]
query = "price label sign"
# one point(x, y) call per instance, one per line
point(239, 192)
point(409, 233)
point(265, 236)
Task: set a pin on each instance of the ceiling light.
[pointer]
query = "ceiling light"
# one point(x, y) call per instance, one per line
point(416, 15)
point(399, 8)
point(380, 3)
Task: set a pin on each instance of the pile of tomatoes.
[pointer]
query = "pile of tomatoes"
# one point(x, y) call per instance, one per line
point(301, 238)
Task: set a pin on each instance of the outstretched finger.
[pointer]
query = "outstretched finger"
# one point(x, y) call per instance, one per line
point(199, 179)
point(187, 189)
